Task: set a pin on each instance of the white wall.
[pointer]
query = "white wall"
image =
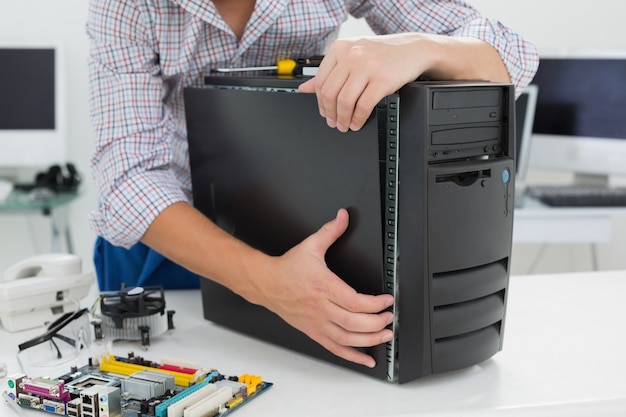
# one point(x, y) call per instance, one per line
point(555, 24)
point(62, 21)
point(550, 24)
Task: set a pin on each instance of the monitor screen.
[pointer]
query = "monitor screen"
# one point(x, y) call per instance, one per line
point(579, 121)
point(31, 106)
point(581, 97)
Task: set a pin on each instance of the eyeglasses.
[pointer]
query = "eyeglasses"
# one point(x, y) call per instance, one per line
point(63, 341)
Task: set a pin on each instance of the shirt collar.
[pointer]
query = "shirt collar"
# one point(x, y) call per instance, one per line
point(266, 12)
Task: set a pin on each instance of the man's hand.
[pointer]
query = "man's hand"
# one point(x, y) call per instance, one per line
point(311, 298)
point(356, 74)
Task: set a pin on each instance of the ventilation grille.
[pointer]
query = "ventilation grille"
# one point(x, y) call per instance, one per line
point(468, 309)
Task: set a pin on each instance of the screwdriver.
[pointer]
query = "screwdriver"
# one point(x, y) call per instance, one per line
point(301, 66)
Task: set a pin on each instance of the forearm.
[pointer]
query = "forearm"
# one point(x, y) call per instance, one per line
point(437, 57)
point(460, 58)
point(184, 235)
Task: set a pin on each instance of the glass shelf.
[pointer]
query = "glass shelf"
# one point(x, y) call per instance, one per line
point(20, 200)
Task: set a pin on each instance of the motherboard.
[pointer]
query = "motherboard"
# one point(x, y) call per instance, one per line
point(132, 386)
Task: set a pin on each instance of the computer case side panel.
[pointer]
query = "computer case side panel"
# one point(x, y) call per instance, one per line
point(243, 179)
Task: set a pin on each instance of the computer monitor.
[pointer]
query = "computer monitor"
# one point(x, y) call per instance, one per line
point(32, 107)
point(579, 123)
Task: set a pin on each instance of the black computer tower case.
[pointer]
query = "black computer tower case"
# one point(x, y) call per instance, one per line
point(442, 218)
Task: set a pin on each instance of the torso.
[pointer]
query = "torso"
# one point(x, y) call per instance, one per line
point(235, 13)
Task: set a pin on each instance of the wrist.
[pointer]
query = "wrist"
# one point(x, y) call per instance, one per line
point(254, 275)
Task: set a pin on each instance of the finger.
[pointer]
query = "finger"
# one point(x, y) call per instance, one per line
point(351, 354)
point(328, 64)
point(347, 100)
point(358, 339)
point(327, 93)
point(367, 101)
point(307, 87)
point(314, 84)
point(348, 299)
point(345, 352)
point(340, 91)
point(331, 231)
point(359, 322)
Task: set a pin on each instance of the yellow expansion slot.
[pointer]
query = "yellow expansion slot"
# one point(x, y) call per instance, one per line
point(110, 364)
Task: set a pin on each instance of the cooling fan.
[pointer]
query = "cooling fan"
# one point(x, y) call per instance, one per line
point(133, 313)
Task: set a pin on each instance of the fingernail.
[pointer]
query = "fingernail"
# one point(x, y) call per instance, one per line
point(370, 364)
point(387, 336)
point(322, 112)
point(341, 128)
point(354, 127)
point(331, 122)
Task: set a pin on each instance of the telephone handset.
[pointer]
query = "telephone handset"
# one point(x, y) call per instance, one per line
point(47, 265)
point(35, 291)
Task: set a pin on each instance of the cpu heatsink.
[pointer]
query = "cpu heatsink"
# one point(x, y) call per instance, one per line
point(133, 313)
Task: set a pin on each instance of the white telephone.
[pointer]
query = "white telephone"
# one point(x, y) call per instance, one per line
point(35, 291)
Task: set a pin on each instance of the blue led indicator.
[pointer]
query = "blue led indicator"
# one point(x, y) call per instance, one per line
point(506, 176)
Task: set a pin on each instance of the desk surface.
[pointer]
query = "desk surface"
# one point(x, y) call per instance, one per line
point(563, 355)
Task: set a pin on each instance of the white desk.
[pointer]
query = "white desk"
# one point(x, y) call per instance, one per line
point(564, 355)
point(537, 223)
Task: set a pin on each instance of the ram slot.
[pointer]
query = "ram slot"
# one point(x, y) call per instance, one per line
point(112, 365)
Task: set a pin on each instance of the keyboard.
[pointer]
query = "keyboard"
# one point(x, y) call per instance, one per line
point(579, 195)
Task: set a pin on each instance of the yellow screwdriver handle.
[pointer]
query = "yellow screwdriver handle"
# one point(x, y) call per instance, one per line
point(286, 67)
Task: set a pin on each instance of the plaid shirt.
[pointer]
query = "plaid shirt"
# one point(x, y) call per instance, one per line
point(144, 52)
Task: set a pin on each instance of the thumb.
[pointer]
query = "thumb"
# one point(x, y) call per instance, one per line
point(331, 231)
point(307, 86)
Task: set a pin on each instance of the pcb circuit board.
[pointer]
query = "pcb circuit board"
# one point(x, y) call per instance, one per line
point(112, 386)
